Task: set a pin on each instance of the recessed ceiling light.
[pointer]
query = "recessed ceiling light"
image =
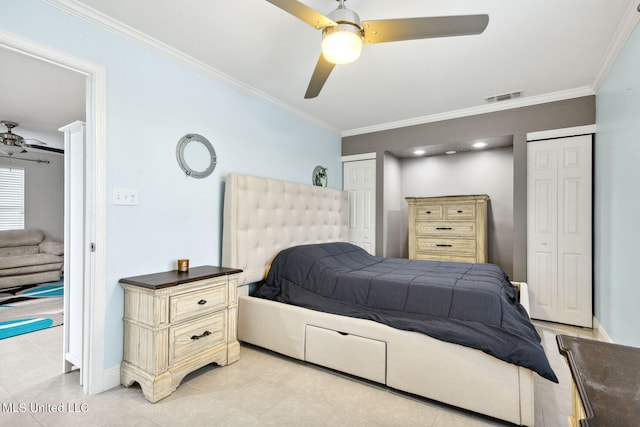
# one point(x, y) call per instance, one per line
point(479, 144)
point(450, 152)
point(419, 152)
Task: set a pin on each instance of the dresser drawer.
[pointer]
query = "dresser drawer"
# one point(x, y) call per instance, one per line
point(431, 256)
point(190, 338)
point(446, 246)
point(443, 228)
point(429, 212)
point(455, 211)
point(183, 306)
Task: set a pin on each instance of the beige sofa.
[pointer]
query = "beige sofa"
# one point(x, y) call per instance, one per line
point(26, 257)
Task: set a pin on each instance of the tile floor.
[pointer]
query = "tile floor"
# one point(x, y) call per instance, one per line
point(262, 389)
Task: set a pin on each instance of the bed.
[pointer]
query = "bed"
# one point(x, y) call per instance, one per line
point(263, 217)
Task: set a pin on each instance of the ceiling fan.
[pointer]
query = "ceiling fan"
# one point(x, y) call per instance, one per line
point(11, 143)
point(343, 34)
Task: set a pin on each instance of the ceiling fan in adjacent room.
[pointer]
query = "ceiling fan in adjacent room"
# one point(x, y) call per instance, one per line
point(11, 143)
point(343, 34)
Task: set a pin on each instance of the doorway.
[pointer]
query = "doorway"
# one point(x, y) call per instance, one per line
point(94, 214)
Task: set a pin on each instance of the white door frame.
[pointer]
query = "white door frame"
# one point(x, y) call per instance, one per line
point(95, 179)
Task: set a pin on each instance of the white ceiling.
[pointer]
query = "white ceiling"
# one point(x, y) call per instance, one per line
point(39, 96)
point(547, 49)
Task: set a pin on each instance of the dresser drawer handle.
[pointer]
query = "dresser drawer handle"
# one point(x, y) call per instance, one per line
point(202, 302)
point(202, 335)
point(460, 211)
point(444, 228)
point(440, 245)
point(428, 212)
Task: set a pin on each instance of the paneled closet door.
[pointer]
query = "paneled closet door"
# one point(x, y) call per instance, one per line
point(359, 180)
point(559, 229)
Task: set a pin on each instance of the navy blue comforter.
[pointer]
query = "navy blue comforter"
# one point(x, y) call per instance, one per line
point(473, 305)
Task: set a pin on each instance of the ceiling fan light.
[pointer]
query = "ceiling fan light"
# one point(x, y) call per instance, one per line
point(11, 149)
point(341, 44)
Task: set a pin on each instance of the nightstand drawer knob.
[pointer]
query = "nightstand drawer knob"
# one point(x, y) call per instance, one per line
point(202, 335)
point(202, 302)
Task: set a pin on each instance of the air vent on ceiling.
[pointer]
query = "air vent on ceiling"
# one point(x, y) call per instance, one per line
point(503, 96)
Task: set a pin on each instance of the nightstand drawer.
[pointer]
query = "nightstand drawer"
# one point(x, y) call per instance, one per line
point(196, 336)
point(444, 228)
point(184, 306)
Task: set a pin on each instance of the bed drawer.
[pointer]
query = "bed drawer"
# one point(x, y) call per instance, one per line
point(352, 354)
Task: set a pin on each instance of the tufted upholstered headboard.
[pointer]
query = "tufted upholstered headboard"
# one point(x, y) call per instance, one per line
point(262, 216)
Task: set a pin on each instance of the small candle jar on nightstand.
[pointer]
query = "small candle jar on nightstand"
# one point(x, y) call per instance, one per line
point(183, 265)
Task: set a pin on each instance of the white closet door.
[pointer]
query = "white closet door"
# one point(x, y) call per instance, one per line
point(359, 178)
point(559, 231)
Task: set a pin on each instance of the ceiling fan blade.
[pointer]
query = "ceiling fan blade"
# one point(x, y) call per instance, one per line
point(391, 30)
point(30, 142)
point(304, 13)
point(319, 77)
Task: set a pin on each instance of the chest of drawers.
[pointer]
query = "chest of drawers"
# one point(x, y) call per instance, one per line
point(176, 322)
point(452, 228)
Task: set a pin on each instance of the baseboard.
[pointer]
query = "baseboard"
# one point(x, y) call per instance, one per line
point(602, 334)
point(111, 378)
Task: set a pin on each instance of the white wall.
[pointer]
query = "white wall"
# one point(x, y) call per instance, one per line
point(616, 201)
point(480, 172)
point(44, 191)
point(151, 103)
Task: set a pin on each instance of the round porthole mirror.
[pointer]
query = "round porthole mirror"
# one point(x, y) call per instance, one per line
point(196, 155)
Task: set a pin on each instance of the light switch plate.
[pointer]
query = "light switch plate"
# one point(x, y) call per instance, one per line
point(125, 196)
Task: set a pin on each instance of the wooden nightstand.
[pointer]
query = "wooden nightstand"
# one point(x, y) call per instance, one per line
point(176, 322)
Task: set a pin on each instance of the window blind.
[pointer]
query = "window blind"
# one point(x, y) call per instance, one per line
point(11, 198)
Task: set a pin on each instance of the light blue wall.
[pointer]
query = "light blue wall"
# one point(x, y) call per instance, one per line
point(151, 103)
point(617, 197)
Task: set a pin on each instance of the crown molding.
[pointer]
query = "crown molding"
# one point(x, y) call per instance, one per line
point(483, 109)
point(126, 32)
point(626, 27)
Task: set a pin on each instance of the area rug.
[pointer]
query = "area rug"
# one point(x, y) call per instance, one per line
point(29, 308)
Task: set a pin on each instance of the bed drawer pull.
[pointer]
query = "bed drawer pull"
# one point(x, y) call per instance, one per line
point(441, 245)
point(444, 228)
point(204, 334)
point(342, 333)
point(202, 302)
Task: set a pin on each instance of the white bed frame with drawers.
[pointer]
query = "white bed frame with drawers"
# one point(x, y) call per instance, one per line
point(263, 216)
